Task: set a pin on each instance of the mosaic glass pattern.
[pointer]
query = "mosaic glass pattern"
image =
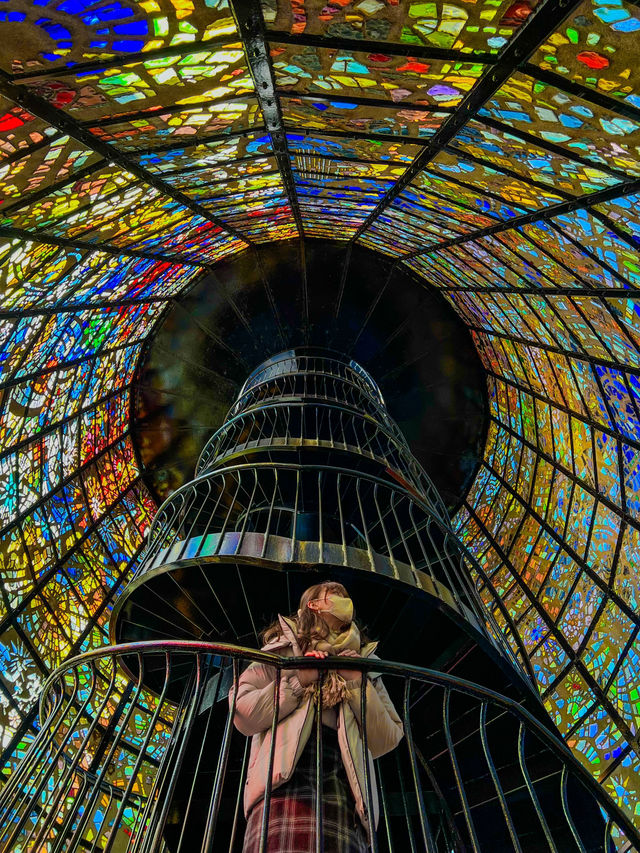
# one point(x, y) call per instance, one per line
point(142, 142)
point(478, 26)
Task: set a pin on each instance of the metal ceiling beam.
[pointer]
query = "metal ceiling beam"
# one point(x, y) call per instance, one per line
point(504, 170)
point(12, 233)
point(58, 424)
point(28, 150)
point(449, 179)
point(541, 24)
point(551, 147)
point(38, 107)
point(417, 51)
point(91, 530)
point(160, 110)
point(610, 363)
point(331, 43)
point(61, 365)
point(361, 101)
point(270, 297)
point(544, 214)
point(600, 698)
point(186, 170)
point(248, 17)
point(191, 142)
point(394, 138)
point(599, 497)
point(516, 268)
point(458, 153)
point(27, 198)
point(532, 392)
point(331, 158)
point(586, 93)
point(71, 307)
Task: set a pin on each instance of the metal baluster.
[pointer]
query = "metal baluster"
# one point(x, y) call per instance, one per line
point(221, 769)
point(318, 804)
point(608, 845)
point(456, 841)
point(427, 836)
point(151, 725)
point(567, 812)
point(136, 820)
point(185, 816)
point(406, 808)
point(365, 529)
point(496, 781)
point(150, 809)
point(394, 495)
point(67, 776)
point(385, 808)
point(267, 529)
point(106, 812)
point(42, 742)
point(320, 520)
point(246, 515)
point(294, 532)
point(240, 795)
point(456, 771)
point(373, 841)
point(118, 728)
point(534, 797)
point(212, 514)
point(237, 475)
point(264, 828)
point(202, 498)
point(184, 739)
point(343, 537)
point(392, 559)
point(417, 529)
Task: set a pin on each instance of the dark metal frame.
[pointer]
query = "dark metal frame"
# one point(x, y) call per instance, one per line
point(86, 744)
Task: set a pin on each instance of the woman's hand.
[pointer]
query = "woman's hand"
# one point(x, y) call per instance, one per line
point(350, 674)
point(308, 676)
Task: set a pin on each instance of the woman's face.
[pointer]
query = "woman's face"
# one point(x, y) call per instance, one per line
point(334, 607)
point(323, 602)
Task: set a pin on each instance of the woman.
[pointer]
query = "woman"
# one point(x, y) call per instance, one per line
point(324, 625)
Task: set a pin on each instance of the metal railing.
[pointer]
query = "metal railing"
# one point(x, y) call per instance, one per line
point(321, 514)
point(295, 425)
point(155, 765)
point(289, 363)
point(316, 386)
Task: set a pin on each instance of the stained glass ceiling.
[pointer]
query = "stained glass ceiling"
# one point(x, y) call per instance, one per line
point(490, 147)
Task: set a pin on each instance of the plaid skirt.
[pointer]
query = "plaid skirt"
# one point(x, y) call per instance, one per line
point(292, 826)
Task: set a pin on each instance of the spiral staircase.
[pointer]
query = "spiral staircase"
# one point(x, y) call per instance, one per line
point(307, 479)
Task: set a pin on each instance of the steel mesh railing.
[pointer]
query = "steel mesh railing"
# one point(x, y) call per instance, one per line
point(153, 763)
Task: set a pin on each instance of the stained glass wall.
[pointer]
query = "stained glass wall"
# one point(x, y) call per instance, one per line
point(492, 147)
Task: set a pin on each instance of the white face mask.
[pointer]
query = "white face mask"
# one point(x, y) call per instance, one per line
point(341, 608)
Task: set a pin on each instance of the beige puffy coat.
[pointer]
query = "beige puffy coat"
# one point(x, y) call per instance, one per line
point(254, 713)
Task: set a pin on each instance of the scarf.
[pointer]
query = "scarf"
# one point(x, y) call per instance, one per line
point(334, 686)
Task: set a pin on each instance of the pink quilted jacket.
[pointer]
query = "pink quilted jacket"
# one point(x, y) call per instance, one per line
point(254, 713)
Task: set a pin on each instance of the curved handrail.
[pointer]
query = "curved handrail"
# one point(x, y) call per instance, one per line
point(388, 427)
point(239, 403)
point(254, 380)
point(421, 500)
point(407, 671)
